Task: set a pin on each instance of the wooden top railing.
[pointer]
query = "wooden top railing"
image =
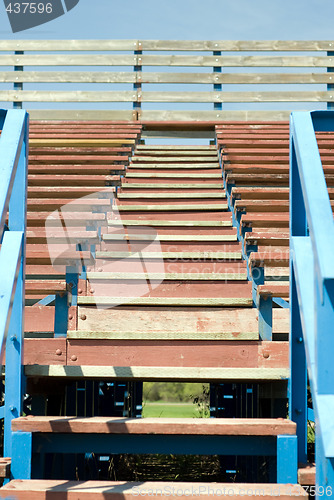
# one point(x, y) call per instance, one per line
point(166, 80)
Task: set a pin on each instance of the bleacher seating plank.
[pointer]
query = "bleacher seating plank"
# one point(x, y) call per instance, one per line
point(306, 474)
point(39, 318)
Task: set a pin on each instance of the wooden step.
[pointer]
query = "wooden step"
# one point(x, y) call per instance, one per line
point(151, 373)
point(180, 207)
point(161, 426)
point(169, 175)
point(5, 468)
point(169, 237)
point(173, 159)
point(168, 301)
point(111, 490)
point(140, 195)
point(171, 255)
point(162, 185)
point(105, 276)
point(306, 474)
point(206, 323)
point(79, 142)
point(170, 223)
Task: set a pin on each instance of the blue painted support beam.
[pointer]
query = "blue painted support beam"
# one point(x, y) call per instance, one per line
point(287, 464)
point(217, 87)
point(22, 455)
point(324, 478)
point(265, 306)
point(301, 335)
point(12, 137)
point(61, 315)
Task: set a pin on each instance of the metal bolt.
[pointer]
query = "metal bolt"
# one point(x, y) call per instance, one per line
point(79, 290)
point(92, 290)
point(59, 352)
point(266, 355)
point(13, 338)
point(74, 358)
point(83, 317)
point(300, 340)
point(12, 408)
point(70, 317)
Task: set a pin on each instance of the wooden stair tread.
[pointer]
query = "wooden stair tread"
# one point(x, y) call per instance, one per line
point(162, 185)
point(307, 474)
point(172, 223)
point(168, 426)
point(169, 237)
point(170, 255)
point(5, 464)
point(165, 276)
point(245, 301)
point(107, 490)
point(139, 194)
point(180, 207)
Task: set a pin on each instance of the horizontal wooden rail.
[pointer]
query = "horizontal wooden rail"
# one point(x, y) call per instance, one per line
point(119, 71)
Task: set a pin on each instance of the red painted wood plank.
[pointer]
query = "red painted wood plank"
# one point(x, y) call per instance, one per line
point(78, 159)
point(160, 426)
point(190, 353)
point(306, 474)
point(39, 319)
point(73, 180)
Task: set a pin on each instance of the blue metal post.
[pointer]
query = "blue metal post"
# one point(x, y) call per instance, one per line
point(14, 377)
point(217, 87)
point(298, 372)
point(22, 455)
point(287, 459)
point(298, 367)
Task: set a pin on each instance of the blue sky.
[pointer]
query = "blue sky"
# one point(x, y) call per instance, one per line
point(187, 19)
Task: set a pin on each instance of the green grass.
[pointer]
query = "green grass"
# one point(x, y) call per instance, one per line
point(169, 410)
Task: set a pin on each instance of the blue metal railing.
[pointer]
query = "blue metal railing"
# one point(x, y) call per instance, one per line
point(312, 292)
point(13, 205)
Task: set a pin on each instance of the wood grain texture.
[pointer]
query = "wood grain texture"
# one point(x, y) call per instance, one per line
point(306, 474)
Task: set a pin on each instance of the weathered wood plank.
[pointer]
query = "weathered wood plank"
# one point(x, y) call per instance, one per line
point(306, 474)
point(171, 237)
point(163, 426)
point(39, 319)
point(82, 114)
point(171, 223)
point(174, 45)
point(168, 276)
point(162, 195)
point(153, 208)
point(177, 353)
point(79, 142)
point(5, 464)
point(176, 322)
point(206, 255)
point(171, 175)
point(101, 335)
point(145, 185)
point(45, 351)
point(161, 373)
point(71, 490)
point(168, 301)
